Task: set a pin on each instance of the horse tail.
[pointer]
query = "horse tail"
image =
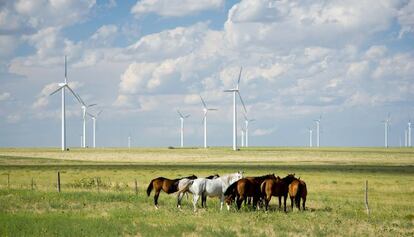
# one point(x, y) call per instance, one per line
point(150, 186)
point(231, 189)
point(186, 187)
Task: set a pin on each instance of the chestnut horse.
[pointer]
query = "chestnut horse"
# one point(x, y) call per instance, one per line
point(276, 187)
point(167, 185)
point(244, 188)
point(298, 190)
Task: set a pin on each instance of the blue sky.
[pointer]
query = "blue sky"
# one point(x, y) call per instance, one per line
point(140, 61)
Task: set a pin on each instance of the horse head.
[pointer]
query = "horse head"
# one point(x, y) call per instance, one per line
point(191, 177)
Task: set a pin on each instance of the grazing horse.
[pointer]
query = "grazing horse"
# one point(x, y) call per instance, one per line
point(245, 188)
point(298, 190)
point(276, 187)
point(185, 182)
point(167, 185)
point(210, 187)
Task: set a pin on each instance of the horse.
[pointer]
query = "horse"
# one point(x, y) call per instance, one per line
point(276, 187)
point(210, 187)
point(184, 182)
point(245, 188)
point(298, 190)
point(167, 185)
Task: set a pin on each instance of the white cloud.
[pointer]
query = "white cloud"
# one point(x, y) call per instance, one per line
point(4, 96)
point(262, 131)
point(406, 18)
point(174, 8)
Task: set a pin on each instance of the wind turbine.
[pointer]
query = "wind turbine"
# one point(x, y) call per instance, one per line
point(409, 133)
point(242, 137)
point(62, 87)
point(405, 138)
point(318, 123)
point(310, 137)
point(182, 117)
point(94, 117)
point(246, 122)
point(386, 125)
point(236, 91)
point(205, 110)
point(84, 108)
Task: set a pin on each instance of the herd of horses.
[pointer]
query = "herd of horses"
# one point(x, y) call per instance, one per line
point(231, 188)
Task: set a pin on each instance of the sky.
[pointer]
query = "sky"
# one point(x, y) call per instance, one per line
point(350, 62)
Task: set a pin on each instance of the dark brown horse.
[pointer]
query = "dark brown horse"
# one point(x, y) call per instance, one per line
point(244, 188)
point(167, 185)
point(297, 191)
point(276, 187)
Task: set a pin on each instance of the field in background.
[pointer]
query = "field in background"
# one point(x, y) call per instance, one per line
point(30, 205)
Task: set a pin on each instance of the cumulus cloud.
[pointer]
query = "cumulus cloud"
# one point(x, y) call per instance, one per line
point(174, 8)
point(4, 96)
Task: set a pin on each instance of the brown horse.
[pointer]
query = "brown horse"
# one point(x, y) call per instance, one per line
point(167, 185)
point(276, 187)
point(245, 188)
point(298, 190)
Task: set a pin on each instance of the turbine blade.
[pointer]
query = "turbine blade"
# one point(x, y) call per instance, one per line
point(100, 111)
point(202, 101)
point(81, 101)
point(187, 116)
point(179, 113)
point(238, 81)
point(66, 71)
point(232, 90)
point(58, 89)
point(244, 107)
point(212, 109)
point(91, 105)
point(76, 96)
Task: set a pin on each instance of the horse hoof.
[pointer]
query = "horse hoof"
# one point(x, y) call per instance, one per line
point(156, 207)
point(179, 206)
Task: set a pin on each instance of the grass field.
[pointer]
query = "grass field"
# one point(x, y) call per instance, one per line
point(335, 178)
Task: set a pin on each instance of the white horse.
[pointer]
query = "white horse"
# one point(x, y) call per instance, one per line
point(208, 187)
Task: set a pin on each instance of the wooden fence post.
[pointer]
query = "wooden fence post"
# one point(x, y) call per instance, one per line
point(8, 180)
point(366, 197)
point(58, 181)
point(136, 187)
point(32, 184)
point(97, 183)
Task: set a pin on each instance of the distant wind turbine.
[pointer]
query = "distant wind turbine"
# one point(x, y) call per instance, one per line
point(84, 111)
point(236, 91)
point(62, 87)
point(318, 124)
point(94, 117)
point(409, 133)
point(246, 123)
point(310, 137)
point(242, 137)
point(182, 117)
point(205, 111)
point(386, 126)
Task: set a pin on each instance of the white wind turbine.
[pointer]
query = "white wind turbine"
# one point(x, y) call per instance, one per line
point(94, 117)
point(205, 111)
point(84, 112)
point(236, 91)
point(386, 126)
point(246, 123)
point(62, 87)
point(182, 117)
point(409, 133)
point(310, 137)
point(318, 124)
point(242, 137)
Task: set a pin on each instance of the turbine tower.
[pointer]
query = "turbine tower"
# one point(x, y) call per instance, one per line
point(182, 117)
point(405, 138)
point(235, 92)
point(386, 125)
point(310, 137)
point(205, 111)
point(94, 117)
point(84, 112)
point(318, 123)
point(409, 133)
point(246, 123)
point(242, 137)
point(62, 87)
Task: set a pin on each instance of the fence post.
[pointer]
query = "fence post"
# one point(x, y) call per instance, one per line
point(366, 197)
point(32, 184)
point(58, 181)
point(8, 180)
point(136, 187)
point(97, 183)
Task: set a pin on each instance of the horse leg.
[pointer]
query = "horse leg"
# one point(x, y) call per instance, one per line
point(239, 201)
point(303, 203)
point(280, 202)
point(157, 193)
point(284, 202)
point(267, 200)
point(291, 202)
point(204, 200)
point(195, 200)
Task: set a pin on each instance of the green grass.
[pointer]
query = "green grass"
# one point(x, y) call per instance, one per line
point(335, 178)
